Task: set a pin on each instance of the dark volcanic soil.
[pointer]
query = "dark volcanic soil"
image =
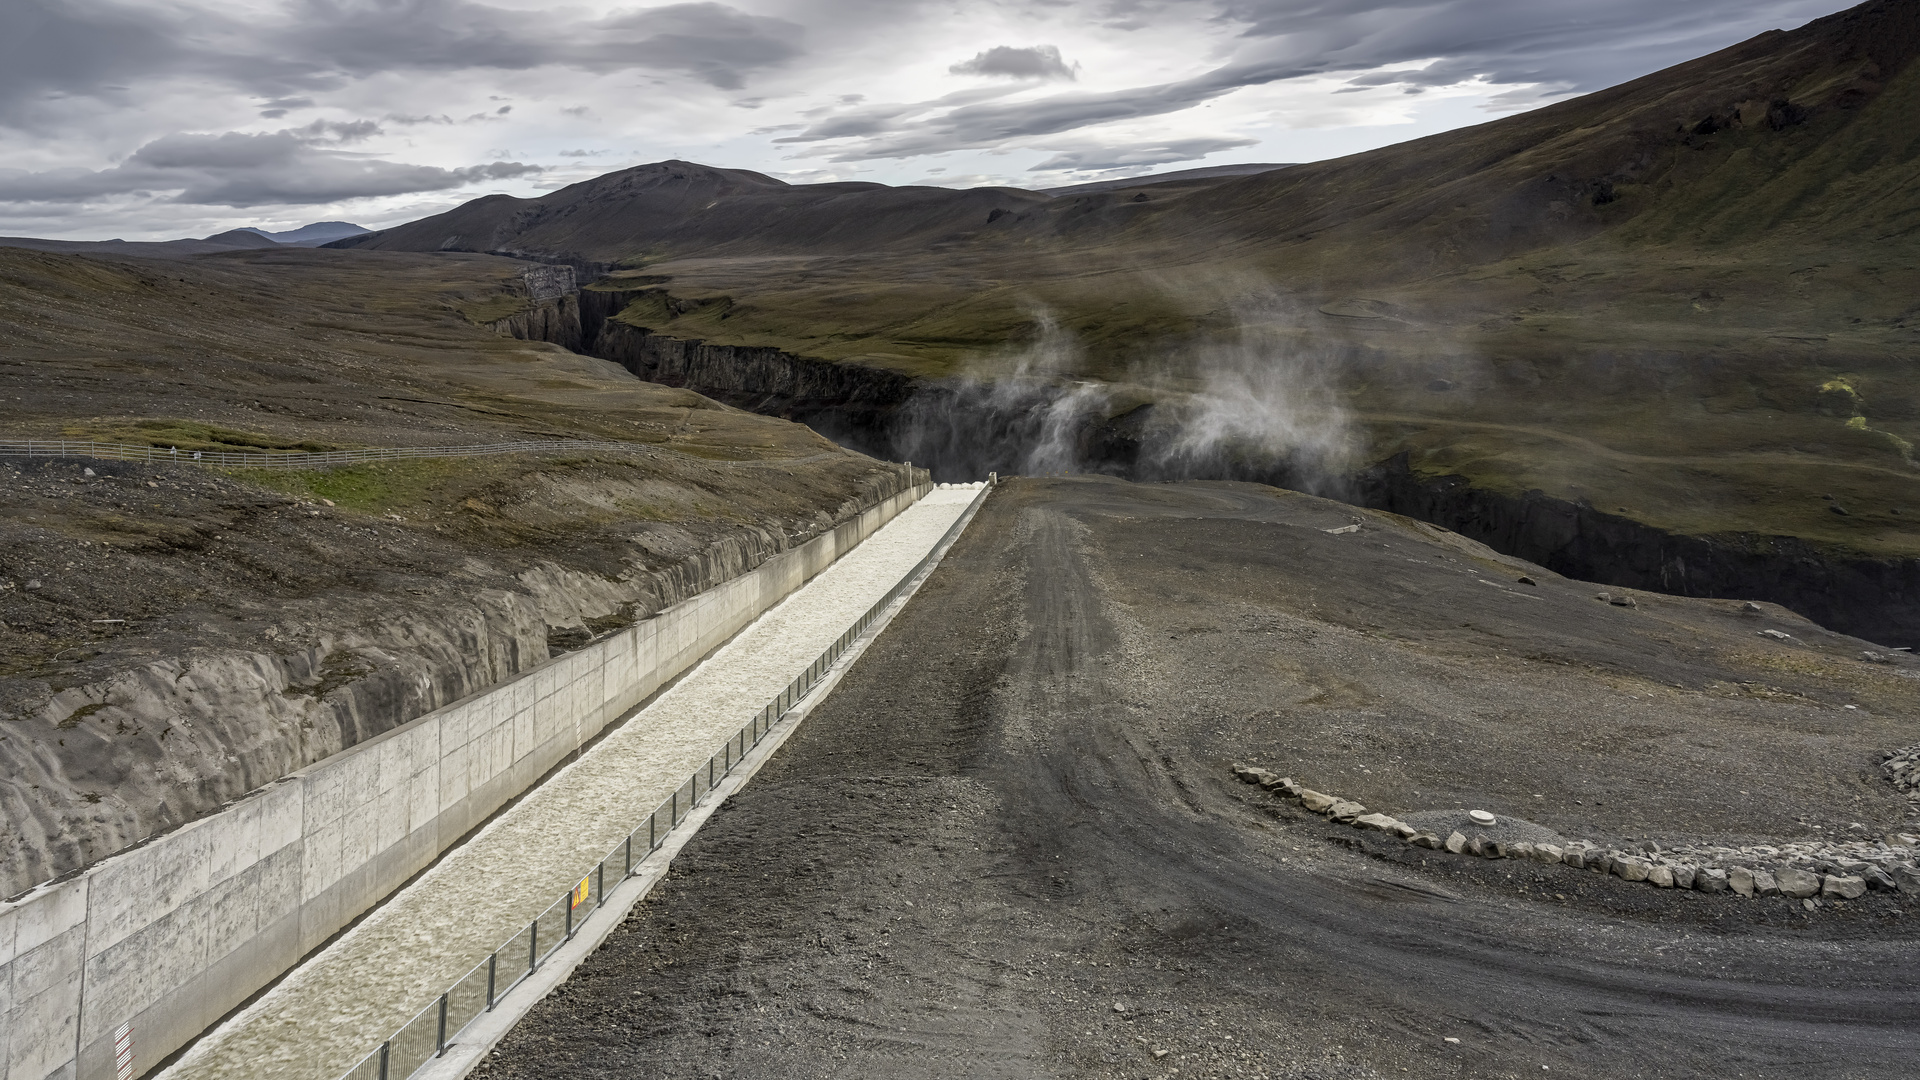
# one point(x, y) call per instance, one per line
point(1010, 845)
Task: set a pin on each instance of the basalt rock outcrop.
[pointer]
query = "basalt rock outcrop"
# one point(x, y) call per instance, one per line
point(1877, 599)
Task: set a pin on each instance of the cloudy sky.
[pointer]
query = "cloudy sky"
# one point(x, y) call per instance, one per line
point(150, 119)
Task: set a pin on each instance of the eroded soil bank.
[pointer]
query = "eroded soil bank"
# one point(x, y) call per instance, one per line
point(1018, 849)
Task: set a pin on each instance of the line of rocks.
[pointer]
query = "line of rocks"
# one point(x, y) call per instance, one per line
point(1801, 871)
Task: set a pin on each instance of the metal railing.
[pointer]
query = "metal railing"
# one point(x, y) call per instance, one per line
point(434, 1028)
point(326, 459)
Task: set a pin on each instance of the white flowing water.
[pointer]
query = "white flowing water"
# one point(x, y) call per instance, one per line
point(328, 1013)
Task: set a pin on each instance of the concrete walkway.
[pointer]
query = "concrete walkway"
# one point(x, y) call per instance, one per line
point(328, 1013)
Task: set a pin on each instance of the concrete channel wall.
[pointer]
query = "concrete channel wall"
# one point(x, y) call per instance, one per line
point(106, 973)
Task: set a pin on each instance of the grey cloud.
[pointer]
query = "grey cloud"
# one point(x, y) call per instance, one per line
point(1037, 62)
point(339, 131)
point(1569, 45)
point(236, 169)
point(1122, 157)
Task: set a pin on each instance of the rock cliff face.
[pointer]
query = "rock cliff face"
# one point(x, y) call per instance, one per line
point(853, 405)
point(962, 430)
point(1871, 598)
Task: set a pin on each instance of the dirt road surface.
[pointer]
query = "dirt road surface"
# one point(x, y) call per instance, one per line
point(1010, 844)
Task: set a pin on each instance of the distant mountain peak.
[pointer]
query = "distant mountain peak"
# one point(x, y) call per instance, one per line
point(320, 232)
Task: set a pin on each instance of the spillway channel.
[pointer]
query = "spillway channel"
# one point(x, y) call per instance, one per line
point(326, 1014)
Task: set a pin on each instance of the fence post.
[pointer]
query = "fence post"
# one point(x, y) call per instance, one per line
point(629, 872)
point(440, 1039)
point(493, 962)
point(600, 885)
point(385, 1048)
point(533, 945)
point(569, 915)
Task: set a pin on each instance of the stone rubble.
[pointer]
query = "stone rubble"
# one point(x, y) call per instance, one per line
point(1902, 767)
point(1799, 870)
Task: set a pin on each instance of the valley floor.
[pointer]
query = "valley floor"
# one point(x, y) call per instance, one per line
point(1010, 844)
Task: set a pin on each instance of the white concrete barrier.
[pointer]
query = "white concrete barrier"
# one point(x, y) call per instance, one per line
point(105, 974)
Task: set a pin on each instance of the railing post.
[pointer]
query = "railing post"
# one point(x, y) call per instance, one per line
point(569, 915)
point(600, 885)
point(629, 872)
point(385, 1049)
point(533, 945)
point(493, 964)
point(440, 1039)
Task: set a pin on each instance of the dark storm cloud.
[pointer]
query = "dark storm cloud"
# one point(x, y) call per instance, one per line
point(98, 47)
point(295, 166)
point(1568, 45)
point(713, 42)
point(49, 47)
point(1005, 61)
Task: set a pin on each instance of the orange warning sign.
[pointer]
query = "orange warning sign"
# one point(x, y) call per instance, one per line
point(579, 893)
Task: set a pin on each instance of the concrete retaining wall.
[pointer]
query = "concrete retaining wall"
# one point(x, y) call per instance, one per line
point(150, 947)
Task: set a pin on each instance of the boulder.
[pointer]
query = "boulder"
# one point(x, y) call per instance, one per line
point(1906, 876)
point(1740, 880)
point(1250, 774)
point(1428, 840)
point(1456, 843)
point(1710, 880)
point(1315, 801)
point(1630, 867)
point(1661, 876)
point(1547, 853)
point(1683, 875)
point(1345, 811)
point(1519, 849)
point(1476, 845)
point(1797, 883)
point(1575, 857)
point(1764, 883)
point(1404, 831)
point(1375, 821)
point(1284, 785)
point(1844, 886)
point(1879, 879)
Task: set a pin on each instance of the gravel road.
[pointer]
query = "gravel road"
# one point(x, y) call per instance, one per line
point(1010, 845)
